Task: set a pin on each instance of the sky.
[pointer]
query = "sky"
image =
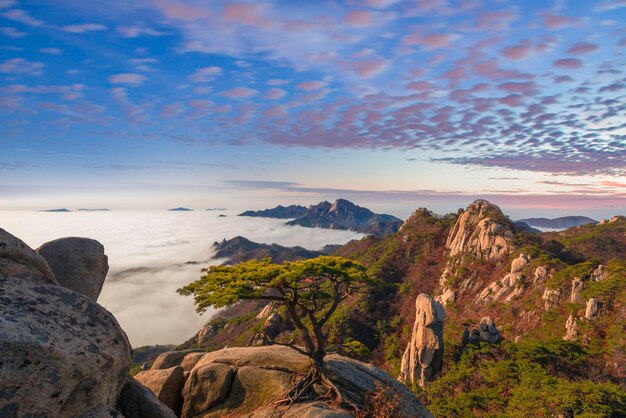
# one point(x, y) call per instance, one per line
point(394, 104)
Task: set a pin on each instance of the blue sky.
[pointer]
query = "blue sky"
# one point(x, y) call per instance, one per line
point(153, 103)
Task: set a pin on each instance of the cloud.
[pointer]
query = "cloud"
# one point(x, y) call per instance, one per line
point(84, 27)
point(51, 51)
point(370, 68)
point(360, 18)
point(135, 31)
point(131, 79)
point(22, 17)
point(239, 93)
point(19, 66)
point(205, 74)
point(569, 63)
point(311, 85)
point(582, 48)
point(275, 93)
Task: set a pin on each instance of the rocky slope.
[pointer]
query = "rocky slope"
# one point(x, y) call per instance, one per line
point(519, 307)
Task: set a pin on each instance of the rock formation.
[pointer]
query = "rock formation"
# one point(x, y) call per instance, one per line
point(571, 328)
point(551, 298)
point(77, 263)
point(592, 308)
point(507, 288)
point(482, 231)
point(18, 260)
point(577, 286)
point(485, 332)
point(166, 384)
point(519, 263)
point(599, 274)
point(540, 273)
point(423, 356)
point(170, 359)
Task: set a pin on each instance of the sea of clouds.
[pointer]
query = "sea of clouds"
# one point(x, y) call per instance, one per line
point(148, 252)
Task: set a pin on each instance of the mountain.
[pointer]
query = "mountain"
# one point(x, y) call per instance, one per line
point(280, 212)
point(180, 210)
point(533, 322)
point(94, 210)
point(55, 210)
point(563, 222)
point(240, 249)
point(343, 214)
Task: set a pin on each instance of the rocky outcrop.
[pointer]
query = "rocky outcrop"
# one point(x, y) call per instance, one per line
point(77, 263)
point(592, 308)
point(481, 231)
point(61, 353)
point(423, 356)
point(166, 384)
point(137, 401)
point(519, 263)
point(280, 212)
point(577, 286)
point(485, 332)
point(246, 381)
point(190, 361)
point(540, 273)
point(19, 260)
point(571, 328)
point(551, 298)
point(600, 274)
point(507, 288)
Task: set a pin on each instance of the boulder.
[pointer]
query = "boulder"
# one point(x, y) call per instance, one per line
point(77, 263)
point(446, 297)
point(506, 289)
point(482, 231)
point(170, 359)
point(266, 311)
point(137, 401)
point(246, 381)
point(61, 354)
point(166, 384)
point(423, 356)
point(190, 360)
point(577, 286)
point(486, 332)
point(592, 308)
point(19, 260)
point(271, 327)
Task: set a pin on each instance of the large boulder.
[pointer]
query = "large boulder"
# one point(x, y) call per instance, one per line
point(247, 381)
point(166, 384)
point(61, 354)
point(592, 308)
point(137, 401)
point(77, 263)
point(423, 356)
point(19, 260)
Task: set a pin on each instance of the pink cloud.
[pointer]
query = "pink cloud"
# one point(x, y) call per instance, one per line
point(277, 82)
point(85, 27)
point(366, 69)
point(571, 63)
point(311, 85)
point(247, 13)
point(553, 21)
point(21, 66)
point(381, 4)
point(582, 48)
point(497, 20)
point(433, 40)
point(275, 93)
point(131, 79)
point(181, 11)
point(239, 93)
point(172, 110)
point(421, 86)
point(360, 18)
point(518, 52)
point(525, 87)
point(276, 111)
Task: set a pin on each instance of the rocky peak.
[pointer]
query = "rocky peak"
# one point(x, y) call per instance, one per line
point(482, 231)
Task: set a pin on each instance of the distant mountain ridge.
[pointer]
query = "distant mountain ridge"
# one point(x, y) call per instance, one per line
point(240, 249)
point(280, 212)
point(563, 222)
point(341, 214)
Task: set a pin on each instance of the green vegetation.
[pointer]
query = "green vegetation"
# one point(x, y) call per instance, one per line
point(522, 380)
point(580, 270)
point(607, 289)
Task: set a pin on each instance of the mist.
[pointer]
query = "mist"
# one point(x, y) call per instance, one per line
point(148, 252)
